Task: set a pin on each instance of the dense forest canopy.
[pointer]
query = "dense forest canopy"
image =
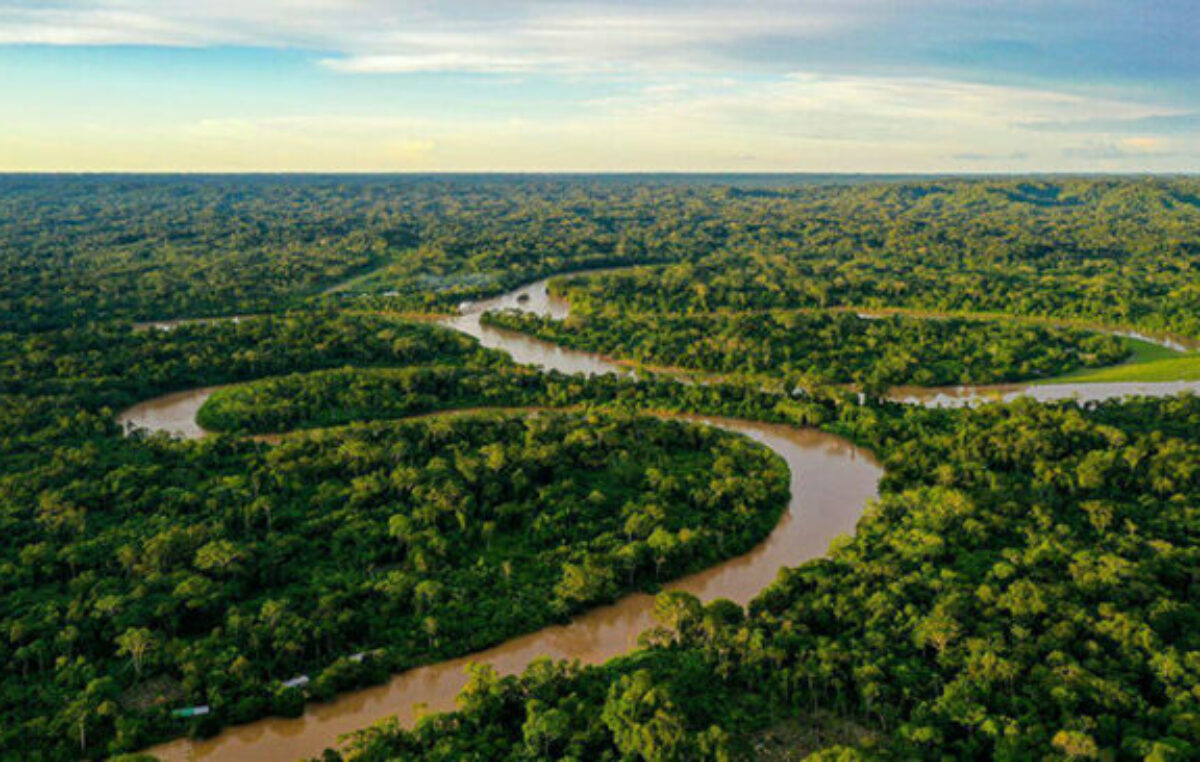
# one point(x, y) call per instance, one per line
point(1115, 250)
point(825, 348)
point(1025, 588)
point(236, 567)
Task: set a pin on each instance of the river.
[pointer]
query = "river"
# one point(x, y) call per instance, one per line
point(831, 483)
point(536, 298)
point(176, 412)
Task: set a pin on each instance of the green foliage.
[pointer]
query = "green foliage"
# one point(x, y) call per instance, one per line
point(78, 249)
point(149, 248)
point(1115, 251)
point(347, 395)
point(329, 398)
point(829, 347)
point(109, 364)
point(227, 567)
point(1025, 588)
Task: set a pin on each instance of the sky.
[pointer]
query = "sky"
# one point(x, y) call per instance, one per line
point(975, 86)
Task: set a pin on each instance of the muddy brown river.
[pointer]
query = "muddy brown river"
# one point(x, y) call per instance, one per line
point(831, 483)
point(536, 298)
point(176, 412)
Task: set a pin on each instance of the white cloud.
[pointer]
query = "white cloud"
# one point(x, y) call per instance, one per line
point(803, 122)
point(419, 35)
point(714, 93)
point(567, 38)
point(91, 27)
point(864, 107)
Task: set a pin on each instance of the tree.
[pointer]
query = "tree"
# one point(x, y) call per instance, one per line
point(1076, 744)
point(430, 625)
point(663, 544)
point(678, 612)
point(136, 643)
point(643, 720)
point(546, 729)
point(426, 594)
point(219, 556)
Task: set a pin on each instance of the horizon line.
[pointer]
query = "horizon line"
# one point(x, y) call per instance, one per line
point(588, 173)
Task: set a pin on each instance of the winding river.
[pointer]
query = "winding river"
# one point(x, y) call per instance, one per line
point(831, 483)
point(536, 298)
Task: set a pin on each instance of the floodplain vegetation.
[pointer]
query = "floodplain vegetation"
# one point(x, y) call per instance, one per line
point(143, 573)
point(829, 348)
point(1025, 587)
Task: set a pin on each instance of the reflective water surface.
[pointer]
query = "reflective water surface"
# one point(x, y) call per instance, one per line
point(831, 483)
point(534, 297)
point(176, 412)
point(962, 396)
point(172, 413)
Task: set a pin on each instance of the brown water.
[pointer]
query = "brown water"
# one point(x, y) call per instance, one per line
point(172, 413)
point(831, 482)
point(535, 298)
point(963, 396)
point(176, 412)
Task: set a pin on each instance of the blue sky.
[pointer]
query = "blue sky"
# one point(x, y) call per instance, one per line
point(504, 85)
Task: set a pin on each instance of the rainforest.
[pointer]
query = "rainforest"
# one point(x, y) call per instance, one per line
point(611, 467)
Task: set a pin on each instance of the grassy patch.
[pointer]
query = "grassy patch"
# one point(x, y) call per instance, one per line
point(1149, 362)
point(1148, 351)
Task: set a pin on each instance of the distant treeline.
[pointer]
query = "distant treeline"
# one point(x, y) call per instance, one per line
point(1115, 250)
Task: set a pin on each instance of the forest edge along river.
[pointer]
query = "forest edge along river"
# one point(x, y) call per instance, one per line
point(175, 413)
point(831, 482)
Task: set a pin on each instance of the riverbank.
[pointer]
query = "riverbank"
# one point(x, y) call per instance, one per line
point(830, 484)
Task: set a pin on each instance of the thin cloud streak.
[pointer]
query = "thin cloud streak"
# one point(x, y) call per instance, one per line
point(1067, 40)
point(776, 85)
point(807, 122)
point(658, 39)
point(374, 28)
point(1174, 123)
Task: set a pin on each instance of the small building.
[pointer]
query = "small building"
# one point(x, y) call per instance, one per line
point(299, 681)
point(191, 711)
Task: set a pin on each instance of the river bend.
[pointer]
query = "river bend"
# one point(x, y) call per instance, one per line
point(831, 483)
